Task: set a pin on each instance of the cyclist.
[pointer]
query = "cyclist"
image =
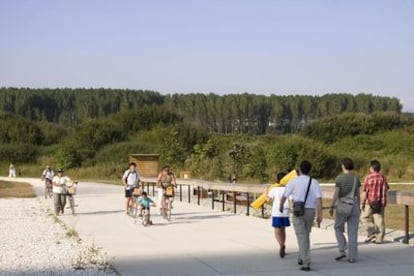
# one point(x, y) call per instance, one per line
point(131, 180)
point(166, 180)
point(47, 176)
point(59, 191)
point(144, 203)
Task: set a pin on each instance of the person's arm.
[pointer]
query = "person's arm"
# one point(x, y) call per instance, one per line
point(124, 178)
point(288, 191)
point(159, 180)
point(138, 181)
point(364, 195)
point(334, 200)
point(387, 186)
point(319, 215)
point(267, 195)
point(282, 203)
point(173, 180)
point(55, 183)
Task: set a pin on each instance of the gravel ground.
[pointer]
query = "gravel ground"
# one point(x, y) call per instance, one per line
point(35, 242)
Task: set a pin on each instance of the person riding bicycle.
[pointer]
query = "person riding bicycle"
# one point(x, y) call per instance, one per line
point(166, 184)
point(144, 203)
point(60, 182)
point(47, 176)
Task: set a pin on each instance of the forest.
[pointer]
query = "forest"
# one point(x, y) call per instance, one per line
point(91, 131)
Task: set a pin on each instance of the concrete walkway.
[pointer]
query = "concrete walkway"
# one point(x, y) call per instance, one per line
point(199, 241)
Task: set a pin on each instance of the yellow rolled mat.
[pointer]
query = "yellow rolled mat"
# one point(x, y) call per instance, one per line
point(258, 203)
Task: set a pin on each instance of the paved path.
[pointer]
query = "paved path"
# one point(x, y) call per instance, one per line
point(199, 241)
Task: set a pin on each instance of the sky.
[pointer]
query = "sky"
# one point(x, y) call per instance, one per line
point(222, 46)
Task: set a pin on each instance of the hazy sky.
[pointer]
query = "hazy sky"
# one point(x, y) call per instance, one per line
point(221, 46)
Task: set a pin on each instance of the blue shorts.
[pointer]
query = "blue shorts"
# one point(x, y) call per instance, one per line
point(279, 222)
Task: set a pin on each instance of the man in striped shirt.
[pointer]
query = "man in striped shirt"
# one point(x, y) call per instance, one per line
point(375, 193)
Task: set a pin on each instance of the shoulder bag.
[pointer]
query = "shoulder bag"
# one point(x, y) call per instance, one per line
point(299, 206)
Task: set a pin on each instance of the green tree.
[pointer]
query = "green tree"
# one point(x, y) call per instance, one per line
point(239, 155)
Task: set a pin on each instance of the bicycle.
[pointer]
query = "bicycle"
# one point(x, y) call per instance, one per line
point(48, 188)
point(70, 194)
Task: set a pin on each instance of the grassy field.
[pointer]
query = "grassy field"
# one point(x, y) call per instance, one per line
point(13, 189)
point(394, 213)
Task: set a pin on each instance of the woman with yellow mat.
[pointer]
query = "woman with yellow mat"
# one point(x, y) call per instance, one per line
point(280, 220)
point(284, 181)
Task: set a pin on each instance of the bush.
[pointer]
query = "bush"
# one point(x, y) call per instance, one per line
point(286, 154)
point(18, 153)
point(68, 156)
point(333, 129)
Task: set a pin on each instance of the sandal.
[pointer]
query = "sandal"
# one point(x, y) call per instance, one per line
point(342, 256)
point(370, 238)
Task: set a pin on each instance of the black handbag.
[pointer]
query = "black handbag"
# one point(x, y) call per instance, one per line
point(299, 206)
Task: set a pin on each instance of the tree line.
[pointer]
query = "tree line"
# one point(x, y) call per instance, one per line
point(210, 135)
point(227, 114)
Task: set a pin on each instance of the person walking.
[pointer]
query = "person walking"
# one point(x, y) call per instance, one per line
point(280, 220)
point(131, 180)
point(12, 171)
point(59, 192)
point(375, 193)
point(306, 191)
point(346, 200)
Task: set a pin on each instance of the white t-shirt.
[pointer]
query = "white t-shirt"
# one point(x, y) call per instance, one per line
point(132, 179)
point(61, 180)
point(48, 174)
point(276, 194)
point(297, 189)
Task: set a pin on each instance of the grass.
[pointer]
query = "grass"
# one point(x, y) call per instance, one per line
point(13, 189)
point(72, 233)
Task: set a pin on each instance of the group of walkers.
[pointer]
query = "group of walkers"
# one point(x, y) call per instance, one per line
point(137, 196)
point(349, 206)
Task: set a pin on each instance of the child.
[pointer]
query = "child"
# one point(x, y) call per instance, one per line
point(144, 203)
point(279, 220)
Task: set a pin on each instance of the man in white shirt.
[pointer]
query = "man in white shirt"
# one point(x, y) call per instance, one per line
point(131, 180)
point(60, 182)
point(48, 174)
point(298, 188)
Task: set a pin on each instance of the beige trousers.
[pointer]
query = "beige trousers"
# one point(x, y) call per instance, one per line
point(374, 224)
point(303, 226)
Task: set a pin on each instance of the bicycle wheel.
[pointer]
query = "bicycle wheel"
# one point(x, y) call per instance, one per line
point(145, 218)
point(72, 204)
point(134, 212)
point(46, 192)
